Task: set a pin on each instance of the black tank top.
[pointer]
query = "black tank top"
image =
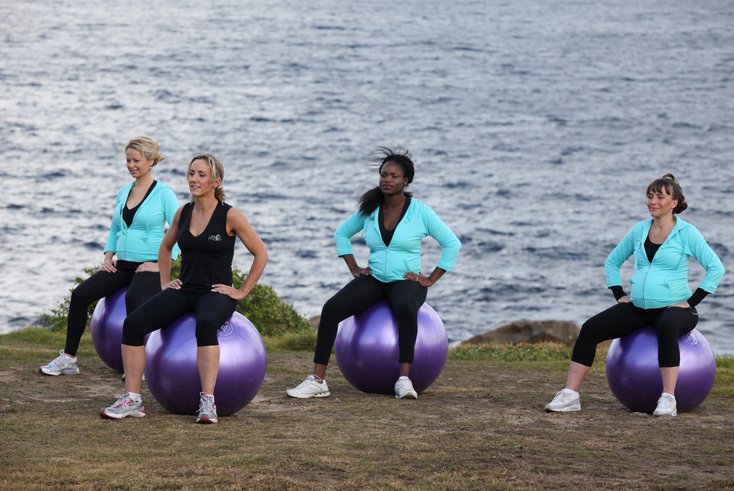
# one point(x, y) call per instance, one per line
point(129, 213)
point(207, 258)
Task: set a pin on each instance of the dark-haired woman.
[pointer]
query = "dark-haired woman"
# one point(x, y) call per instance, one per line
point(660, 295)
point(206, 230)
point(393, 225)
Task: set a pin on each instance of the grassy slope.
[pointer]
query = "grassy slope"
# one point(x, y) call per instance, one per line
point(480, 426)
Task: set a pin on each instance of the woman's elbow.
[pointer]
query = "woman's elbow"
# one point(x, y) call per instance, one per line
point(262, 255)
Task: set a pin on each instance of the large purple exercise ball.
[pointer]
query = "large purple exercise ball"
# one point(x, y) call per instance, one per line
point(106, 328)
point(368, 355)
point(173, 377)
point(633, 372)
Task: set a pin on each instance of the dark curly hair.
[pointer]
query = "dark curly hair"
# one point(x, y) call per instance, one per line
point(668, 184)
point(374, 197)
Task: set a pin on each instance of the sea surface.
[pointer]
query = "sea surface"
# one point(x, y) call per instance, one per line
point(535, 125)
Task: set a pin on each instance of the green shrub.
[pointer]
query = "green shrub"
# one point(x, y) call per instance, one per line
point(263, 307)
point(510, 352)
point(56, 319)
point(293, 341)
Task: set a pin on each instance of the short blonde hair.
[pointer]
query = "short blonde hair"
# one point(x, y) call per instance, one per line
point(147, 147)
point(217, 170)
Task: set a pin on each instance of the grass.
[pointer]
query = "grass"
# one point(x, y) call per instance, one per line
point(480, 426)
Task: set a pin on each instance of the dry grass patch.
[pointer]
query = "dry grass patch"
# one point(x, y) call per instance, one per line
point(480, 426)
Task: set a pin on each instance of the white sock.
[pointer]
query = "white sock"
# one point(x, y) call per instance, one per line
point(572, 392)
point(135, 397)
point(70, 357)
point(667, 394)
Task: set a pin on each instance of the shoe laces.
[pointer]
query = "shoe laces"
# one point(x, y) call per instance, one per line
point(206, 404)
point(666, 401)
point(309, 379)
point(405, 384)
point(123, 400)
point(59, 360)
point(563, 396)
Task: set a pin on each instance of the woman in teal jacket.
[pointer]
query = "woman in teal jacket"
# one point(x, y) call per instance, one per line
point(659, 295)
point(393, 225)
point(142, 210)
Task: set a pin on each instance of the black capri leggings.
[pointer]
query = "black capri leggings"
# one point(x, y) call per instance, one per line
point(623, 318)
point(404, 297)
point(211, 310)
point(141, 287)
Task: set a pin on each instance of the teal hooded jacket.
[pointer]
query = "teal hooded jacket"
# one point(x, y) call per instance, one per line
point(140, 242)
point(664, 281)
point(403, 255)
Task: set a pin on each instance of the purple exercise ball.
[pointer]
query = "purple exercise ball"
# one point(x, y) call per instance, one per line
point(368, 354)
point(106, 328)
point(173, 377)
point(633, 372)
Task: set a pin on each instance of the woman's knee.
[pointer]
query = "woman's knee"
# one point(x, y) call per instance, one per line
point(206, 333)
point(677, 320)
point(588, 331)
point(81, 295)
point(405, 307)
point(132, 331)
point(332, 309)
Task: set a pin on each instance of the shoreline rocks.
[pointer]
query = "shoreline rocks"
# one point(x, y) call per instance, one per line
point(527, 331)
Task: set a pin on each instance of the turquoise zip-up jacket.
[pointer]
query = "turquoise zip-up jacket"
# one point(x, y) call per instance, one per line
point(403, 255)
point(140, 242)
point(664, 282)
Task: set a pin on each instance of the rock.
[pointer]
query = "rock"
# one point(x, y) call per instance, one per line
point(526, 331)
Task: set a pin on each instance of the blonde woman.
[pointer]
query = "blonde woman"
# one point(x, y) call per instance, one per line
point(205, 229)
point(142, 210)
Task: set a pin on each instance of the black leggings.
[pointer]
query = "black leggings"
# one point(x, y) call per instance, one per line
point(404, 297)
point(141, 286)
point(210, 308)
point(623, 318)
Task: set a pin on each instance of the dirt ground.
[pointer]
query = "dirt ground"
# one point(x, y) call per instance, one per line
point(480, 426)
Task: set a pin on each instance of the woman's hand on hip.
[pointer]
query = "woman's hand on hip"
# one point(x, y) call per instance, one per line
point(109, 265)
point(356, 272)
point(173, 285)
point(681, 305)
point(228, 290)
point(147, 267)
point(624, 299)
point(423, 281)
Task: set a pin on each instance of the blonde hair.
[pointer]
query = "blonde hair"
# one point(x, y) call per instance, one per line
point(217, 172)
point(147, 147)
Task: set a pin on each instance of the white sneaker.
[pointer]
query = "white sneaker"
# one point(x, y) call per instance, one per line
point(565, 401)
point(404, 388)
point(207, 410)
point(666, 406)
point(310, 387)
point(61, 365)
point(123, 407)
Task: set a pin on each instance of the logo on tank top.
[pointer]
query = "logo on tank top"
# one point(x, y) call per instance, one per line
point(215, 238)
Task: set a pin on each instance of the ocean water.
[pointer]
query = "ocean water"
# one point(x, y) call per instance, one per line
point(536, 127)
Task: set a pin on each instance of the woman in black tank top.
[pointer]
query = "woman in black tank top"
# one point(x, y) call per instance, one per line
point(205, 230)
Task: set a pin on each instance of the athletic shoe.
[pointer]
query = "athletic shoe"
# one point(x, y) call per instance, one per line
point(565, 401)
point(404, 388)
point(123, 407)
point(61, 365)
point(666, 406)
point(309, 388)
point(207, 410)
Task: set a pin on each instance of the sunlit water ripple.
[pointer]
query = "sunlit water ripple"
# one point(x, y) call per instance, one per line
point(535, 126)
